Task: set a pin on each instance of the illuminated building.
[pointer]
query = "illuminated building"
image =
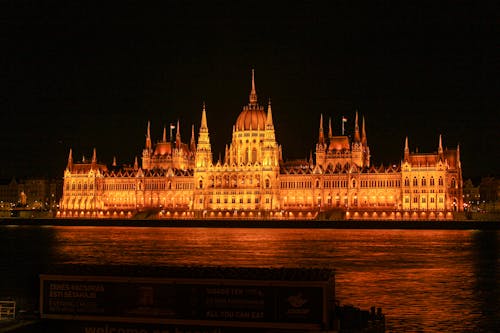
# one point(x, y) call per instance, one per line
point(179, 180)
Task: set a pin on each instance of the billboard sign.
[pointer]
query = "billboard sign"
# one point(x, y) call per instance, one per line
point(235, 303)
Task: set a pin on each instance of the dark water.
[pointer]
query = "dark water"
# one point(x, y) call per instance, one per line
point(425, 281)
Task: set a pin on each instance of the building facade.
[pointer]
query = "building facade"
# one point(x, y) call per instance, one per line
point(252, 181)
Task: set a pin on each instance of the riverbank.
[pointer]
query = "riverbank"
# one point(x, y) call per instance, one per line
point(295, 224)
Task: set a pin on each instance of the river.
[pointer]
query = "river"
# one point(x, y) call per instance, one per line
point(425, 281)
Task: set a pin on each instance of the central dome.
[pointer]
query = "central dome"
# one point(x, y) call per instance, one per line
point(251, 118)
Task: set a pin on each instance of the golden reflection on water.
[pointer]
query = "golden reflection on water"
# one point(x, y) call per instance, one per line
point(423, 280)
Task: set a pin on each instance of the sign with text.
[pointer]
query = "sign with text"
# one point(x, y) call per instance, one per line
point(284, 304)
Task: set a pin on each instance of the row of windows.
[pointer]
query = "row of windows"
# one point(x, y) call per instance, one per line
point(234, 184)
point(379, 183)
point(80, 186)
point(130, 186)
point(424, 200)
point(234, 192)
point(184, 186)
point(233, 200)
point(119, 187)
point(423, 181)
point(304, 184)
point(336, 183)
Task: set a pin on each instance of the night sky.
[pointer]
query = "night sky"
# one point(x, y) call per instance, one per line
point(83, 76)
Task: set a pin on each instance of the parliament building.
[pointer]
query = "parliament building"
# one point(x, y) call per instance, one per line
point(179, 180)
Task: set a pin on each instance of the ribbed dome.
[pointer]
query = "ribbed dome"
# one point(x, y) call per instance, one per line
point(339, 143)
point(163, 148)
point(252, 117)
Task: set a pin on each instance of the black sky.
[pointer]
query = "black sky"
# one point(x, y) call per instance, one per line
point(81, 76)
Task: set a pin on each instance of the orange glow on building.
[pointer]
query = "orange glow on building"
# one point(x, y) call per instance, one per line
point(182, 181)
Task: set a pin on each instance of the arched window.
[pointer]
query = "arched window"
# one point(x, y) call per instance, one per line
point(254, 155)
point(415, 181)
point(267, 183)
point(453, 182)
point(424, 182)
point(440, 181)
point(354, 183)
point(317, 183)
point(201, 183)
point(431, 181)
point(407, 182)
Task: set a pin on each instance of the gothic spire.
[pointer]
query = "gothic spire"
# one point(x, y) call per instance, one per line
point(70, 160)
point(114, 161)
point(253, 93)
point(164, 139)
point(356, 129)
point(178, 135)
point(192, 143)
point(269, 120)
point(407, 150)
point(330, 133)
point(148, 136)
point(94, 157)
point(203, 118)
point(440, 146)
point(321, 133)
point(136, 164)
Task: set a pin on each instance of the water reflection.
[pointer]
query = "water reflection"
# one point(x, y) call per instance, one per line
point(486, 258)
point(432, 281)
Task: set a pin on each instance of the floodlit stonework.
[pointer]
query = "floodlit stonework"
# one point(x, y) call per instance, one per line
point(182, 181)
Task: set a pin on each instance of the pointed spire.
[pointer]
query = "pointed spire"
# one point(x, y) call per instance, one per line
point(363, 132)
point(192, 142)
point(356, 129)
point(253, 93)
point(94, 157)
point(114, 161)
point(204, 118)
point(226, 155)
point(310, 158)
point(440, 146)
point(136, 164)
point(70, 160)
point(330, 133)
point(407, 150)
point(178, 135)
point(321, 133)
point(164, 138)
point(269, 120)
point(148, 136)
